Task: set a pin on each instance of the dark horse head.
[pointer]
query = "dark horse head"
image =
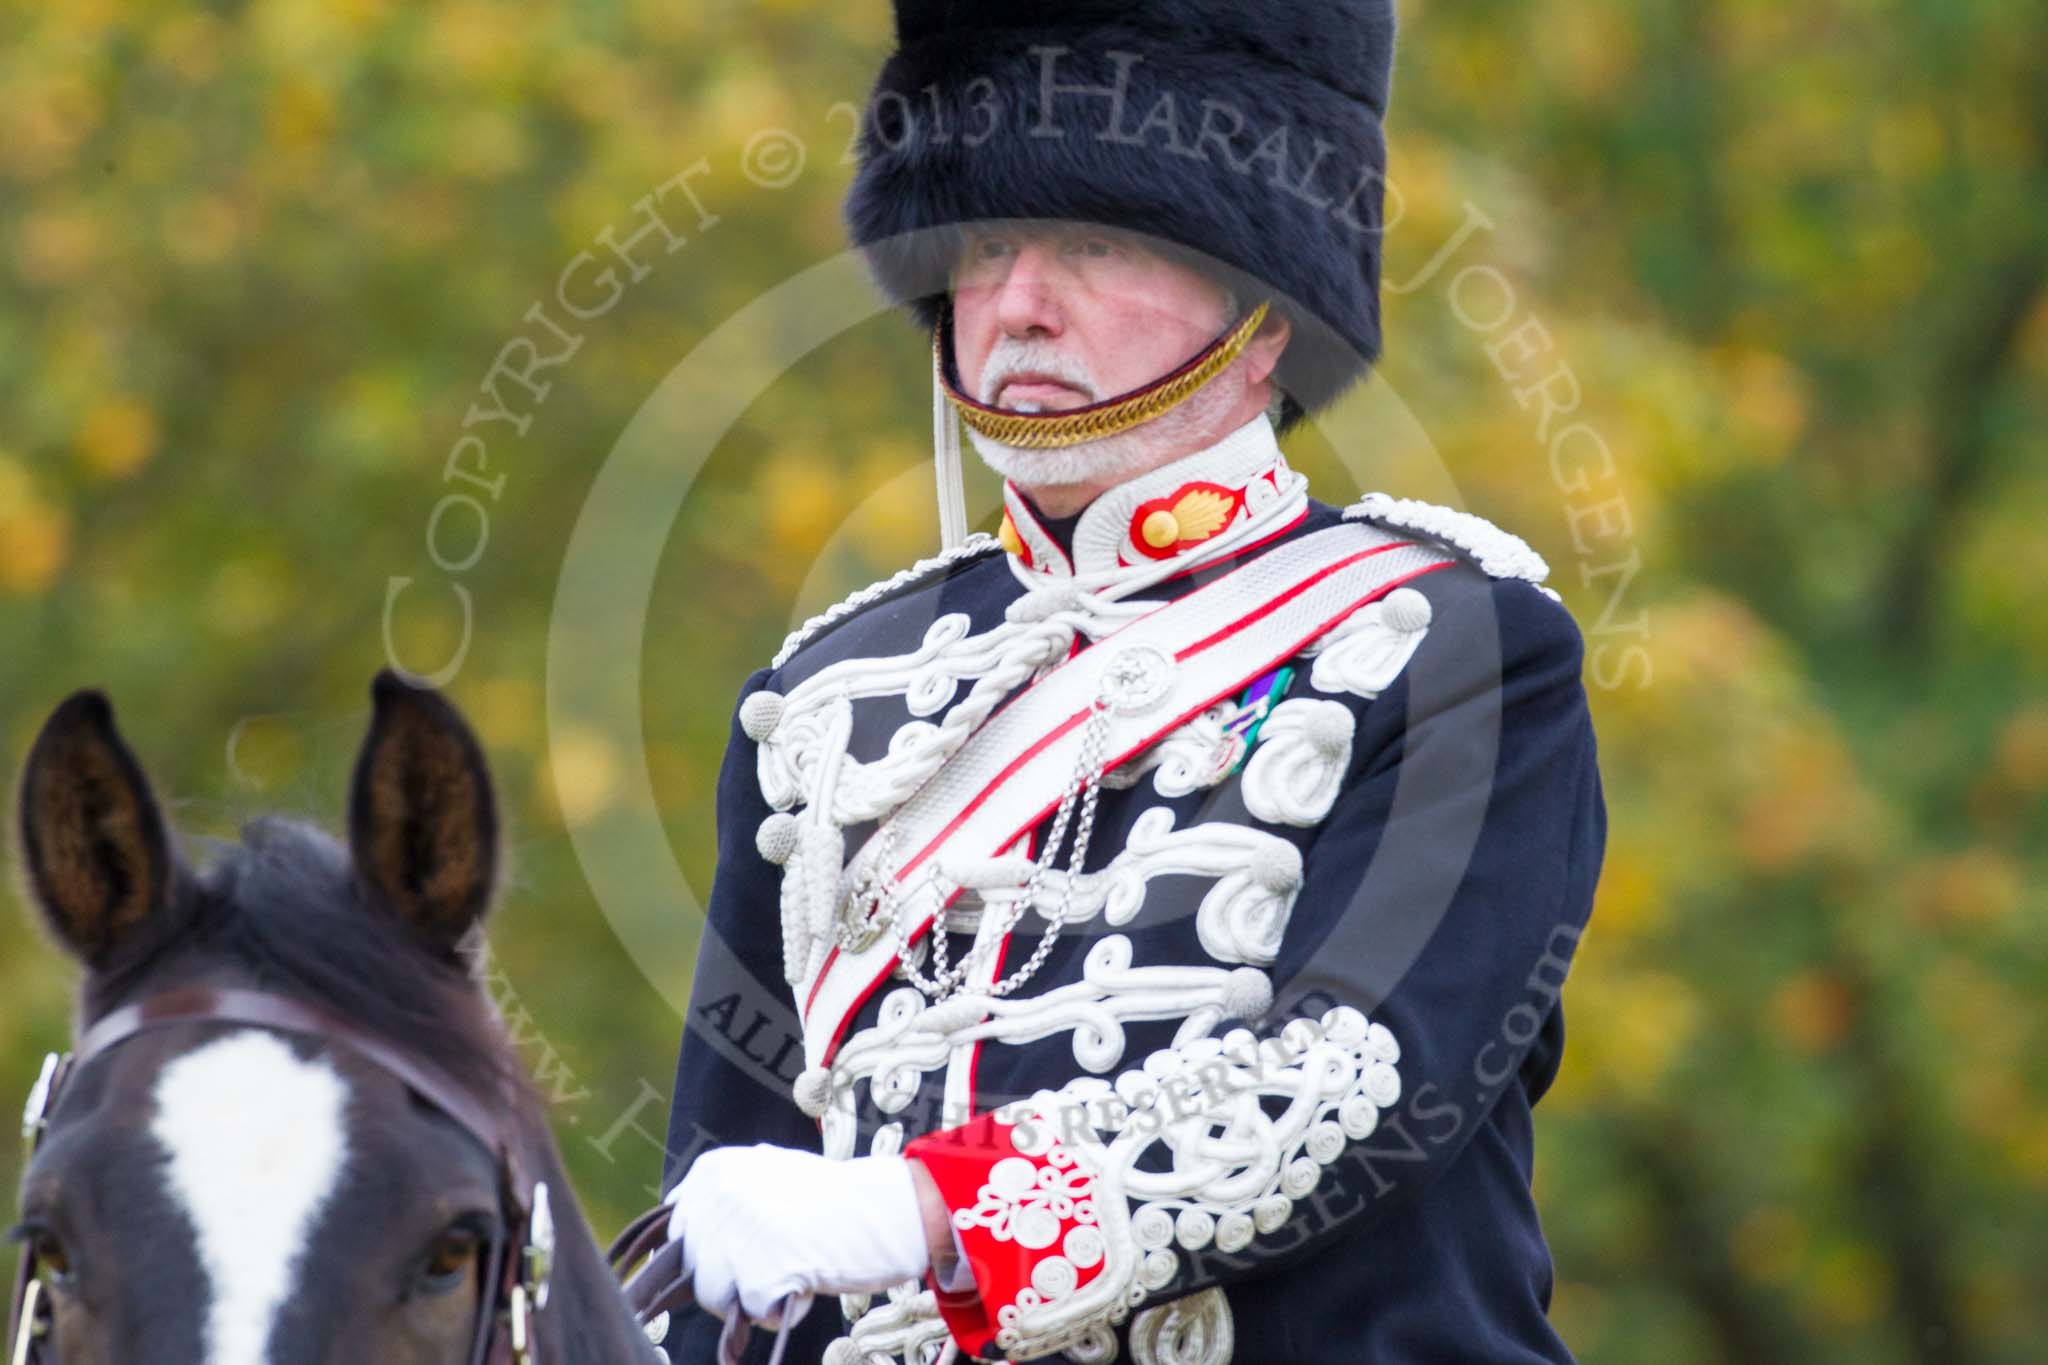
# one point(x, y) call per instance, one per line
point(216, 1192)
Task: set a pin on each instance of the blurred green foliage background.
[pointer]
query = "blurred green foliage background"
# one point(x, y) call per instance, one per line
point(257, 262)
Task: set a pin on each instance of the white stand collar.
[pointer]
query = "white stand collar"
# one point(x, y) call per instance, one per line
point(1197, 508)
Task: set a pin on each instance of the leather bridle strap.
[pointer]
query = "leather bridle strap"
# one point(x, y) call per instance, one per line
point(659, 1288)
point(503, 1284)
point(502, 1260)
point(662, 1287)
point(222, 1005)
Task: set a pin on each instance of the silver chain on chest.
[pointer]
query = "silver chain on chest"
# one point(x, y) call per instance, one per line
point(1135, 681)
point(883, 894)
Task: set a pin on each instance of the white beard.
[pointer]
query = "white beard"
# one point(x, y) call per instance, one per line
point(1115, 459)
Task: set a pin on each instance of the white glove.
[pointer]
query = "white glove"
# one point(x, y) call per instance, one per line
point(761, 1224)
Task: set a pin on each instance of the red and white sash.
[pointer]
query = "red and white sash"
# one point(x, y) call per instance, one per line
point(1160, 670)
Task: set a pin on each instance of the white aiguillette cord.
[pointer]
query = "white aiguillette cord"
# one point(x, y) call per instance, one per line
point(946, 455)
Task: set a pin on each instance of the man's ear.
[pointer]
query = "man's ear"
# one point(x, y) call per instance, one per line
point(423, 820)
point(95, 853)
point(1262, 352)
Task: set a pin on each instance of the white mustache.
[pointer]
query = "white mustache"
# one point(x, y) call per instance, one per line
point(1012, 357)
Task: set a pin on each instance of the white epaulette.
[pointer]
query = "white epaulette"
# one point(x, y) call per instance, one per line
point(1498, 553)
point(977, 544)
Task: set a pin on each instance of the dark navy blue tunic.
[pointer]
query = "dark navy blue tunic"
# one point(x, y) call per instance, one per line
point(1443, 895)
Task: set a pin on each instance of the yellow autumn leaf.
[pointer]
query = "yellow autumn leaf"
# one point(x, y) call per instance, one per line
point(507, 708)
point(117, 437)
point(2023, 750)
point(801, 500)
point(35, 534)
point(585, 768)
point(58, 243)
point(1813, 1010)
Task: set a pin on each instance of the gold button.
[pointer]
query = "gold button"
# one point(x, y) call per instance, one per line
point(1008, 536)
point(1160, 530)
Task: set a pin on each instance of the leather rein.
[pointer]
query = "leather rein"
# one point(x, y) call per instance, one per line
point(516, 1263)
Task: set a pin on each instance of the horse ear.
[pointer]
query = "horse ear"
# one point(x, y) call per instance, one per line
point(94, 848)
point(423, 822)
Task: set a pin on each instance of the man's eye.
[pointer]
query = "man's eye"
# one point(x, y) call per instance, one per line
point(990, 248)
point(1097, 247)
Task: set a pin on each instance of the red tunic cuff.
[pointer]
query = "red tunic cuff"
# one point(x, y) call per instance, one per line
point(1025, 1223)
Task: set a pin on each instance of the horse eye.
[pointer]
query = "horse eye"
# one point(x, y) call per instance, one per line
point(448, 1263)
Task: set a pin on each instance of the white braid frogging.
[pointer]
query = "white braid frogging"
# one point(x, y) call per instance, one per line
point(809, 778)
point(803, 737)
point(947, 981)
point(1077, 1189)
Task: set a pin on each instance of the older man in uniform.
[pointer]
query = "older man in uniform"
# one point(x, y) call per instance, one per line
point(1138, 935)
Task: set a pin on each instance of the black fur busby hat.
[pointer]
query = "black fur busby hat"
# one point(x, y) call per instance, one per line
point(1245, 133)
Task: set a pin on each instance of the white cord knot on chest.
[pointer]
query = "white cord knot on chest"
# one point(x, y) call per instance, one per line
point(1045, 601)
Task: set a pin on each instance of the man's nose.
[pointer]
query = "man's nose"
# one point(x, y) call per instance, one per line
point(1028, 301)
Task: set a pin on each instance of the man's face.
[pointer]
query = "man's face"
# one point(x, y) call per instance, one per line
point(1049, 316)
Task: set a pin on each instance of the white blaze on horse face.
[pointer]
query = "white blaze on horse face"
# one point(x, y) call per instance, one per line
point(256, 1142)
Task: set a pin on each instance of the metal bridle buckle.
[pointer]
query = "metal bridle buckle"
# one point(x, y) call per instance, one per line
point(31, 1324)
point(537, 1267)
point(540, 1248)
point(35, 1115)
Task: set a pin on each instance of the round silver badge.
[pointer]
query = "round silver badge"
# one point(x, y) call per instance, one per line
point(1137, 679)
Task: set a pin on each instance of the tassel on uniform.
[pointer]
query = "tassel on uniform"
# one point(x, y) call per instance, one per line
point(823, 850)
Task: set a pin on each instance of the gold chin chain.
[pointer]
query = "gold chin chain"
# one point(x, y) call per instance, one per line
point(1045, 430)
